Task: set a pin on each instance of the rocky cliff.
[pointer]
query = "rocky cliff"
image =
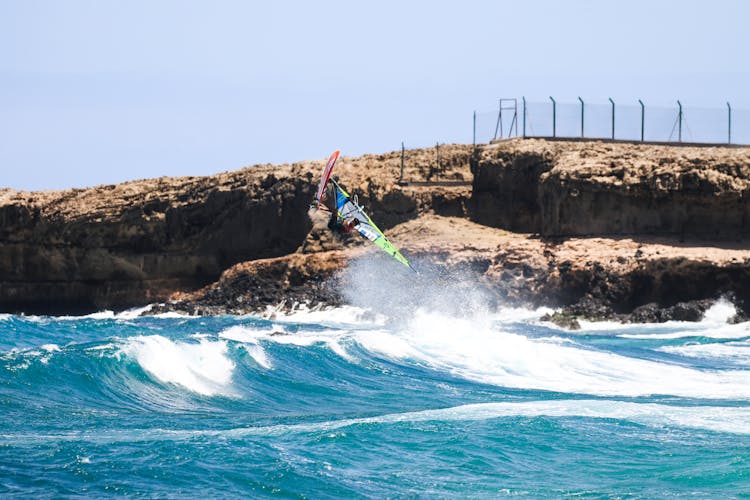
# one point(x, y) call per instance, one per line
point(606, 230)
point(126, 245)
point(564, 188)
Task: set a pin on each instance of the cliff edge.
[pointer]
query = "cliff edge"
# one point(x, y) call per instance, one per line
point(631, 231)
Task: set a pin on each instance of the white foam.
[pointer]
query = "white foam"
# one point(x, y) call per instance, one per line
point(259, 355)
point(42, 354)
point(100, 315)
point(128, 314)
point(556, 340)
point(733, 420)
point(250, 340)
point(330, 339)
point(173, 315)
point(720, 419)
point(388, 344)
point(738, 331)
point(719, 313)
point(472, 350)
point(106, 314)
point(240, 333)
point(336, 347)
point(102, 347)
point(50, 348)
point(730, 351)
point(133, 313)
point(277, 334)
point(610, 326)
point(520, 314)
point(340, 316)
point(17, 358)
point(201, 367)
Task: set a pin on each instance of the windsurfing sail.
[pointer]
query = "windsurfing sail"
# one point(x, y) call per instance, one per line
point(350, 212)
point(324, 179)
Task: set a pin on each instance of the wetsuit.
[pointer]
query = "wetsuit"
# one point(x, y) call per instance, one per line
point(334, 223)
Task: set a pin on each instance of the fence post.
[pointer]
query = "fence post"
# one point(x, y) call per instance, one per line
point(613, 117)
point(499, 124)
point(554, 117)
point(643, 117)
point(679, 121)
point(523, 98)
point(474, 132)
point(437, 155)
point(579, 98)
point(729, 125)
point(401, 177)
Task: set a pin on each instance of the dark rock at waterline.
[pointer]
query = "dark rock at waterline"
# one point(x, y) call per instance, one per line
point(250, 287)
point(563, 320)
point(693, 310)
point(682, 311)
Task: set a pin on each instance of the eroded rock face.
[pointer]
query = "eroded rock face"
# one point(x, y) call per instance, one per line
point(651, 291)
point(562, 189)
point(131, 244)
point(240, 241)
point(520, 273)
point(119, 246)
point(506, 187)
point(252, 286)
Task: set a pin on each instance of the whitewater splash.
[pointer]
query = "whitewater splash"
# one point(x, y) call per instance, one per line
point(201, 367)
point(482, 348)
point(325, 395)
point(373, 283)
point(481, 351)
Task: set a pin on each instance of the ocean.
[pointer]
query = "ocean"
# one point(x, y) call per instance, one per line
point(350, 403)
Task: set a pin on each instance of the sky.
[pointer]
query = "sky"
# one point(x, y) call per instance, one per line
point(104, 91)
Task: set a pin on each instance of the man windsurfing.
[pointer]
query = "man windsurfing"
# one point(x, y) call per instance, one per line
point(347, 214)
point(331, 200)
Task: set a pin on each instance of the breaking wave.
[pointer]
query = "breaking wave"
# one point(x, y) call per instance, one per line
point(312, 388)
point(201, 367)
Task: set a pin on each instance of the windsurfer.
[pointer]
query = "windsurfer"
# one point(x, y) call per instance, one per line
point(338, 226)
point(347, 214)
point(336, 223)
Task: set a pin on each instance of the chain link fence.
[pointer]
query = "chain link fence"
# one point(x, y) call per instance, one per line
point(615, 121)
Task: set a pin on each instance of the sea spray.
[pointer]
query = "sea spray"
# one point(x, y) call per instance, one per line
point(444, 320)
point(373, 282)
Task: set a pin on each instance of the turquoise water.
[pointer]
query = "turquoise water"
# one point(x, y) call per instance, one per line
point(346, 403)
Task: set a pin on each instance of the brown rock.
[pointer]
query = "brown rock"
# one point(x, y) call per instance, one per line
point(623, 231)
point(566, 188)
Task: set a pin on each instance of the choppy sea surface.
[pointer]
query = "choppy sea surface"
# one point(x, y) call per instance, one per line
point(348, 403)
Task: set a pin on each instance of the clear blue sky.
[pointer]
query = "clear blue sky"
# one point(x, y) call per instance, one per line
point(104, 91)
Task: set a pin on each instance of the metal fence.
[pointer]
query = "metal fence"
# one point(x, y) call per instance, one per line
point(637, 121)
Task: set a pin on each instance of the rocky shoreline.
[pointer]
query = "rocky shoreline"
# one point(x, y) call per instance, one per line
point(630, 232)
point(585, 278)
